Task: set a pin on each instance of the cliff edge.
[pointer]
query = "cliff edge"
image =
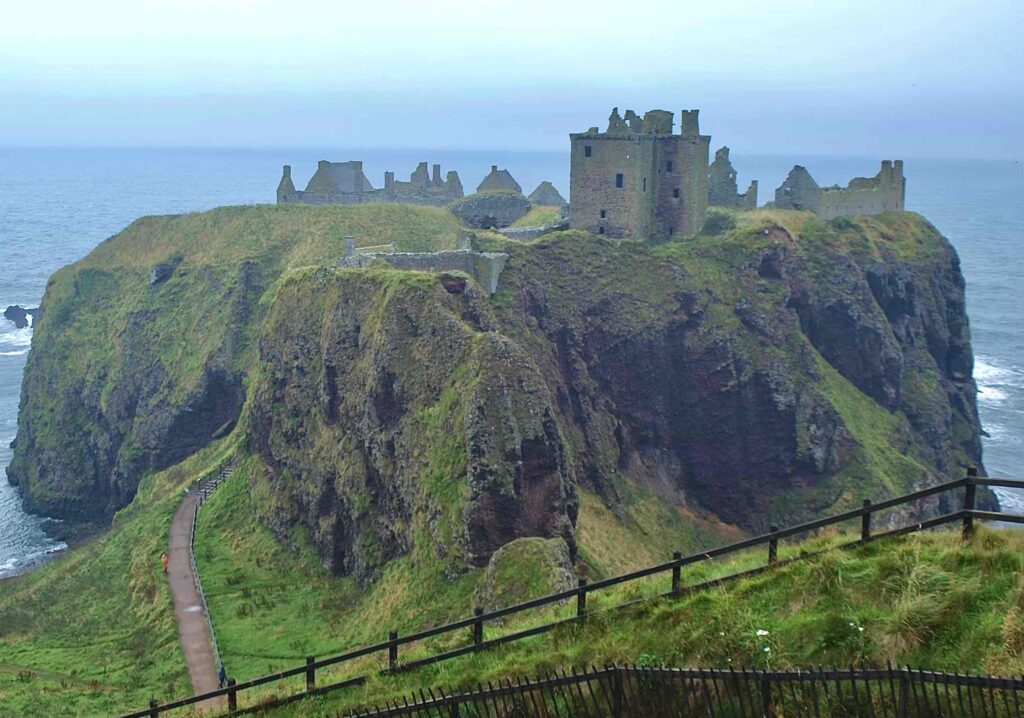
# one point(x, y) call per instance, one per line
point(774, 367)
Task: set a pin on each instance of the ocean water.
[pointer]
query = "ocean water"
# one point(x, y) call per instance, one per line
point(57, 204)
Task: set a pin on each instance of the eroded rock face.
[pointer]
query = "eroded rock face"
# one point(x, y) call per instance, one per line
point(405, 415)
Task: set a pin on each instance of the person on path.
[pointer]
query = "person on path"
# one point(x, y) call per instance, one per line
point(163, 561)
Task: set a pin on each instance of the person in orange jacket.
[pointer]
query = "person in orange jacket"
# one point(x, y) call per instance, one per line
point(163, 561)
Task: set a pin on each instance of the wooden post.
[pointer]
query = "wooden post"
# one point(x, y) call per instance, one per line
point(152, 708)
point(478, 626)
point(392, 649)
point(773, 545)
point(232, 695)
point(676, 571)
point(970, 500)
point(581, 598)
point(310, 674)
point(865, 522)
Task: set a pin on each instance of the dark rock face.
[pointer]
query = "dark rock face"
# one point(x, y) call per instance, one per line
point(405, 416)
point(21, 316)
point(83, 461)
point(490, 210)
point(162, 272)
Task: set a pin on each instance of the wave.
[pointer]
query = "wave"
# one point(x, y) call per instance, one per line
point(17, 337)
point(988, 371)
point(991, 396)
point(17, 353)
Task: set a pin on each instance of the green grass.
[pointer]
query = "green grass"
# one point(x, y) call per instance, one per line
point(93, 632)
point(538, 216)
point(925, 600)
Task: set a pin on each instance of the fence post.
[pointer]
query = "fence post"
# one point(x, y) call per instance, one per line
point(766, 695)
point(581, 598)
point(310, 674)
point(865, 522)
point(152, 708)
point(773, 545)
point(617, 692)
point(676, 571)
point(478, 626)
point(392, 649)
point(970, 499)
point(232, 695)
point(904, 694)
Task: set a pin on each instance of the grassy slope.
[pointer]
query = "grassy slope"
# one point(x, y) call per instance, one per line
point(925, 599)
point(93, 632)
point(273, 604)
point(538, 216)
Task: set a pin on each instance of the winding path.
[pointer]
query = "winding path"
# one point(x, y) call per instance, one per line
point(188, 606)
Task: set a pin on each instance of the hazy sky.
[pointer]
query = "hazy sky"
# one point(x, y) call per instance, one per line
point(892, 77)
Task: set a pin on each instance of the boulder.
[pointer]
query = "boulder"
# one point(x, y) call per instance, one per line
point(491, 210)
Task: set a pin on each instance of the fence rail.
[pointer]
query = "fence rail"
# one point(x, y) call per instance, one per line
point(617, 691)
point(966, 516)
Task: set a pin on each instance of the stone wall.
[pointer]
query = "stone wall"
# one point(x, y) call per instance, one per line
point(639, 179)
point(492, 209)
point(885, 192)
point(527, 234)
point(345, 183)
point(722, 191)
point(484, 267)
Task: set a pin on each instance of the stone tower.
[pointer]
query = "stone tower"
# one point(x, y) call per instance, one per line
point(640, 179)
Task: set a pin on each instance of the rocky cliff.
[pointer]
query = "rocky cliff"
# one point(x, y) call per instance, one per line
point(772, 368)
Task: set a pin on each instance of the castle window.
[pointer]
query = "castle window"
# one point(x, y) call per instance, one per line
point(619, 179)
point(604, 213)
point(587, 150)
point(671, 231)
point(645, 184)
point(668, 166)
point(675, 193)
point(600, 230)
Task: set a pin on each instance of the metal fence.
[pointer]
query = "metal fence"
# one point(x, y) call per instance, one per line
point(616, 692)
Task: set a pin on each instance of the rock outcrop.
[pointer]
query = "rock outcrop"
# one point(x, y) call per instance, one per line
point(21, 316)
point(490, 210)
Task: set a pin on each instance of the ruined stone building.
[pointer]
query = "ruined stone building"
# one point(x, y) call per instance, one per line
point(884, 192)
point(345, 183)
point(498, 180)
point(639, 178)
point(722, 184)
point(547, 195)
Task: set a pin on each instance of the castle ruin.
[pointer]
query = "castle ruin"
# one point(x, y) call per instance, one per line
point(499, 181)
point(884, 192)
point(345, 183)
point(722, 184)
point(639, 178)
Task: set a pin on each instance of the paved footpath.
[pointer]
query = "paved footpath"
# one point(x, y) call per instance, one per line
point(188, 608)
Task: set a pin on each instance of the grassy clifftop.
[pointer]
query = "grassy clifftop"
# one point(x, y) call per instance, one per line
point(127, 376)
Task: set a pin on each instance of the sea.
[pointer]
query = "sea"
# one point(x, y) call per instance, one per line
point(56, 204)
